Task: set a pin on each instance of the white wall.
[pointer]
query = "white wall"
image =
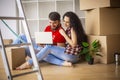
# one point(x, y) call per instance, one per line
point(8, 8)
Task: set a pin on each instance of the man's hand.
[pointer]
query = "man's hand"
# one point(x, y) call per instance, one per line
point(42, 45)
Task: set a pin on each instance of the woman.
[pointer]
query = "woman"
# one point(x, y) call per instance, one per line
point(61, 56)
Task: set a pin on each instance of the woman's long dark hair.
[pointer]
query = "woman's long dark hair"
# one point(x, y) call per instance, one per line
point(75, 23)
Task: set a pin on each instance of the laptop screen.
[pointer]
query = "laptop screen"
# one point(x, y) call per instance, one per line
point(43, 37)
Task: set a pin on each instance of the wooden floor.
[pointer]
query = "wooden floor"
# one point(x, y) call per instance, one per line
point(81, 71)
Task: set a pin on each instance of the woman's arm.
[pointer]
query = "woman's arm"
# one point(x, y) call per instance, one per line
point(73, 40)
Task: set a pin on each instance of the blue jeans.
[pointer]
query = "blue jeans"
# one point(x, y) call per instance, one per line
point(49, 58)
point(51, 54)
point(54, 55)
point(27, 51)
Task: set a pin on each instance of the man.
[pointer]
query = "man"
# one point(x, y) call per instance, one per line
point(54, 27)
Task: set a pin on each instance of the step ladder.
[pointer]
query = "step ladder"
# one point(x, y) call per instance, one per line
point(30, 44)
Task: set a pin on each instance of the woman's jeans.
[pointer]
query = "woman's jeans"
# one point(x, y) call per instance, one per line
point(50, 54)
point(54, 55)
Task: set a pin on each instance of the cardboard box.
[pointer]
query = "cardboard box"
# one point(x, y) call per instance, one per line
point(103, 21)
point(88, 4)
point(7, 41)
point(15, 56)
point(109, 45)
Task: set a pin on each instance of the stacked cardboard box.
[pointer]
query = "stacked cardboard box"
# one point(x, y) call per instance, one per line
point(109, 44)
point(102, 23)
point(88, 4)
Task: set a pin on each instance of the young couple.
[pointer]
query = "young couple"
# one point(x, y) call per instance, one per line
point(56, 54)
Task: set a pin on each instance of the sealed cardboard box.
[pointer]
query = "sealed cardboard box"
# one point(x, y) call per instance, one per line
point(109, 45)
point(103, 21)
point(91, 4)
point(15, 56)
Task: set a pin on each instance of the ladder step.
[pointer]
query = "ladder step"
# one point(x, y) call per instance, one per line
point(30, 72)
point(13, 18)
point(22, 44)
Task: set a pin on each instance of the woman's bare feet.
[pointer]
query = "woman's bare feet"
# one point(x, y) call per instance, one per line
point(66, 63)
point(25, 65)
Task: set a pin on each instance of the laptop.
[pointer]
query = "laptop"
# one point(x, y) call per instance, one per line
point(43, 37)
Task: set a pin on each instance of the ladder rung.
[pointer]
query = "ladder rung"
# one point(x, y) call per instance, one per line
point(14, 18)
point(22, 44)
point(17, 75)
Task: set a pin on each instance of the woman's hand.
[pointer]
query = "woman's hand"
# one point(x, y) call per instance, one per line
point(73, 40)
point(62, 32)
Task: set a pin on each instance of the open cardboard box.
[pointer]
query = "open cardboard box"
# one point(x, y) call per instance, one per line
point(15, 56)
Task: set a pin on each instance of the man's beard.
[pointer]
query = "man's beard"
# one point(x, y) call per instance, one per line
point(54, 28)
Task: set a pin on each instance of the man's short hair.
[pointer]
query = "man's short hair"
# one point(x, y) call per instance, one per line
point(54, 16)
